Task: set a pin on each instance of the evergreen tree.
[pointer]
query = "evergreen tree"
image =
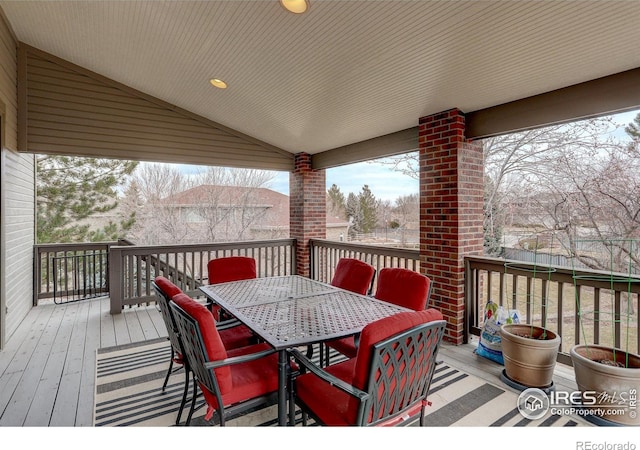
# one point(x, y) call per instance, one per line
point(336, 202)
point(633, 129)
point(368, 206)
point(72, 189)
point(354, 214)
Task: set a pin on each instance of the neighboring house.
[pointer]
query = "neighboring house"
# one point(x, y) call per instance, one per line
point(239, 213)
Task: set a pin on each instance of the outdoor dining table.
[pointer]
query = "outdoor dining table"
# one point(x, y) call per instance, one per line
point(293, 311)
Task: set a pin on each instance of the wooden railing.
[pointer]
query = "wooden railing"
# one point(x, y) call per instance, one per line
point(582, 306)
point(133, 268)
point(325, 255)
point(71, 272)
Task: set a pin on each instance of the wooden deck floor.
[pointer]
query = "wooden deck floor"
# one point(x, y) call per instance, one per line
point(47, 369)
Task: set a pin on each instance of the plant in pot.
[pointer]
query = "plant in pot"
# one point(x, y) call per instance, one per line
point(529, 351)
point(608, 377)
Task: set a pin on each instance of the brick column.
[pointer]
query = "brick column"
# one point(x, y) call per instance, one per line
point(451, 205)
point(307, 208)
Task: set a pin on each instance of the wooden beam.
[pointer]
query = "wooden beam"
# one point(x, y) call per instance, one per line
point(397, 143)
point(607, 95)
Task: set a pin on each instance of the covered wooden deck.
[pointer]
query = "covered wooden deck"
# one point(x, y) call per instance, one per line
point(47, 371)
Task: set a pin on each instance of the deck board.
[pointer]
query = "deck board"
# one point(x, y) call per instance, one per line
point(47, 370)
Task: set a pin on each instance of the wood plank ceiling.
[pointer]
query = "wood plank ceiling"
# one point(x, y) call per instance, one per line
point(345, 71)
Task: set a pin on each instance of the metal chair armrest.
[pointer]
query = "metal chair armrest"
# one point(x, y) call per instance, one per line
point(226, 324)
point(238, 359)
point(327, 377)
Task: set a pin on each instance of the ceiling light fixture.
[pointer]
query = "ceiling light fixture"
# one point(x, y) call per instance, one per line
point(295, 6)
point(217, 82)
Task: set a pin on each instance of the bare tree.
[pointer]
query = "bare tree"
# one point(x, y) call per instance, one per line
point(211, 205)
point(519, 169)
point(157, 222)
point(406, 213)
point(593, 201)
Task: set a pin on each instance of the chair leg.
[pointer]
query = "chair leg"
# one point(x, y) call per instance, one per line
point(321, 354)
point(184, 394)
point(327, 356)
point(166, 379)
point(193, 401)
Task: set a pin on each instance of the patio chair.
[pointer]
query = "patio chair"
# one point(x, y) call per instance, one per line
point(386, 384)
point(354, 275)
point(402, 287)
point(232, 381)
point(232, 333)
point(229, 268)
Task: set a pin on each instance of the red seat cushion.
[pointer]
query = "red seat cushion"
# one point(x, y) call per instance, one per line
point(381, 330)
point(210, 336)
point(254, 378)
point(169, 289)
point(403, 287)
point(329, 404)
point(334, 407)
point(236, 337)
point(231, 268)
point(353, 275)
point(346, 346)
point(238, 382)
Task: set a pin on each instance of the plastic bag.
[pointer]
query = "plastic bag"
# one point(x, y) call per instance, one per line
point(490, 345)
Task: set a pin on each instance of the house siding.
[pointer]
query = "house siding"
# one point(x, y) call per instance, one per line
point(17, 200)
point(72, 111)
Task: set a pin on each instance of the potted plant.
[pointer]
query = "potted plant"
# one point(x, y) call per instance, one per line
point(529, 351)
point(609, 380)
point(530, 354)
point(608, 377)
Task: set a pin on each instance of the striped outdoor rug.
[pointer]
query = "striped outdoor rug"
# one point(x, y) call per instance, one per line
point(129, 380)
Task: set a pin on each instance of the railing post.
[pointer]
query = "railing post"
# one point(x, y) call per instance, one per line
point(294, 257)
point(37, 275)
point(115, 280)
point(468, 301)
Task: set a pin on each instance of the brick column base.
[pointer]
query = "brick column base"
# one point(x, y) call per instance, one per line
point(307, 209)
point(451, 211)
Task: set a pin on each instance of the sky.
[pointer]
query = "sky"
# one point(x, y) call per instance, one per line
point(383, 181)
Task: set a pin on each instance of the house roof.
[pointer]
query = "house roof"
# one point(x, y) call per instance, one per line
point(345, 71)
point(224, 196)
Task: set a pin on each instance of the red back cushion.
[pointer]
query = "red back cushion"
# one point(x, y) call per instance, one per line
point(210, 336)
point(403, 287)
point(382, 329)
point(379, 331)
point(166, 286)
point(231, 268)
point(353, 275)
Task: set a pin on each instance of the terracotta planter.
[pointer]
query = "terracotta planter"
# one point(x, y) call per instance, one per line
point(615, 387)
point(530, 354)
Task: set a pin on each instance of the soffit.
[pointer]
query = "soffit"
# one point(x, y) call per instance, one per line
point(344, 72)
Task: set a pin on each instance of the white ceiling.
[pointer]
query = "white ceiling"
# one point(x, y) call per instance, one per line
point(345, 71)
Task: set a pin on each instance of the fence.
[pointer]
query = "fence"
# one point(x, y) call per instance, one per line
point(133, 268)
point(582, 306)
point(71, 272)
point(325, 255)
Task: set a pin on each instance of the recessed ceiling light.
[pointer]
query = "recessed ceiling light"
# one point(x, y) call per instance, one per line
point(295, 6)
point(217, 82)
